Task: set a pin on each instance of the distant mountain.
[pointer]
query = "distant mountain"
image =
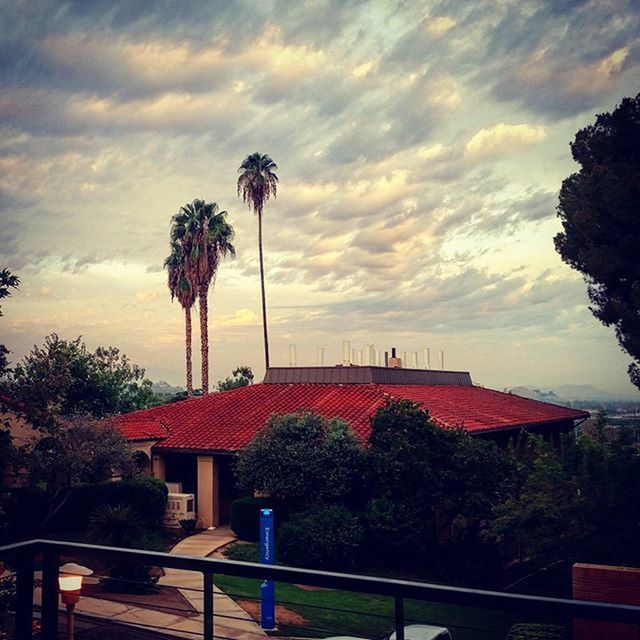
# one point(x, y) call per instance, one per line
point(568, 393)
point(165, 389)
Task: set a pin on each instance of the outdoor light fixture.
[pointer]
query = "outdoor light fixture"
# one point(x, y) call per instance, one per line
point(70, 583)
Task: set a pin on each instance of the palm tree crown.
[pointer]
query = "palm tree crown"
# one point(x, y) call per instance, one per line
point(205, 236)
point(256, 184)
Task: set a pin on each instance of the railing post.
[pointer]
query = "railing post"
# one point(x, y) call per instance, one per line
point(208, 606)
point(399, 610)
point(50, 570)
point(24, 596)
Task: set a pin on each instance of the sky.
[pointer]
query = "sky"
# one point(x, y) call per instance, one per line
point(420, 149)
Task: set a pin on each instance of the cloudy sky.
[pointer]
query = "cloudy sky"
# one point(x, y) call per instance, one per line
point(420, 149)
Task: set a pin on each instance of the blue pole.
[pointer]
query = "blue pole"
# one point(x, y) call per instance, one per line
point(267, 556)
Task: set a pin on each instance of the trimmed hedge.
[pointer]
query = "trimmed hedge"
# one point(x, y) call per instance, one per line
point(321, 538)
point(245, 517)
point(148, 496)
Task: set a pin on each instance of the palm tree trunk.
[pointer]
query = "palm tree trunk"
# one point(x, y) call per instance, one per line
point(264, 300)
point(187, 344)
point(204, 337)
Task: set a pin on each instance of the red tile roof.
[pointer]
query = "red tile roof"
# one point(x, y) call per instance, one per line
point(227, 421)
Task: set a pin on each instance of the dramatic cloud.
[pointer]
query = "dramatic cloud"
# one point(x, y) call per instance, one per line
point(420, 151)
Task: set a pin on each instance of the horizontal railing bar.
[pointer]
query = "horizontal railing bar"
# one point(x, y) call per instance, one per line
point(365, 584)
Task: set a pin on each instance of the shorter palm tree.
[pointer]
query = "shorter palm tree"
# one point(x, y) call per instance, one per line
point(180, 288)
point(205, 237)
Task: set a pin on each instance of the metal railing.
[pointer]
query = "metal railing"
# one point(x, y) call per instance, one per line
point(23, 558)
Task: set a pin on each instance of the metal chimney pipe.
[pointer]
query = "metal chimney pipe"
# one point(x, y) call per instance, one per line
point(346, 353)
point(403, 357)
point(386, 358)
point(292, 355)
point(353, 356)
point(442, 360)
point(320, 356)
point(414, 360)
point(427, 358)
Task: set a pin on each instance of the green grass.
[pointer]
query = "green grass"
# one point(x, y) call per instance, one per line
point(332, 612)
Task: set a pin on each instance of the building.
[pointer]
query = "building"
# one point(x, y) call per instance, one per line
point(193, 442)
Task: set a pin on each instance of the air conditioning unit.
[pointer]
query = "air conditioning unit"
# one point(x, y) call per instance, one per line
point(180, 506)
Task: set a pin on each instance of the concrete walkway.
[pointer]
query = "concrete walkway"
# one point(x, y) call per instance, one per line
point(238, 626)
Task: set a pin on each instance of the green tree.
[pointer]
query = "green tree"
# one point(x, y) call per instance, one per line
point(242, 377)
point(257, 183)
point(205, 236)
point(303, 459)
point(8, 281)
point(181, 288)
point(432, 488)
point(62, 378)
point(599, 208)
point(85, 451)
point(583, 506)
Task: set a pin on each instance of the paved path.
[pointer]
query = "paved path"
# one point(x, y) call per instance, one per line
point(238, 626)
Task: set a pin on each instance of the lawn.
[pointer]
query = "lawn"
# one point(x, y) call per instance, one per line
point(346, 613)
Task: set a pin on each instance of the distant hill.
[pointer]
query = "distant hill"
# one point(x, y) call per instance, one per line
point(571, 393)
point(165, 389)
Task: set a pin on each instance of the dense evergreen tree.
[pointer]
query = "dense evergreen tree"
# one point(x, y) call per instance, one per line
point(599, 209)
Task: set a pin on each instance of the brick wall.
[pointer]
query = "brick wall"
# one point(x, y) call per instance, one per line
point(619, 585)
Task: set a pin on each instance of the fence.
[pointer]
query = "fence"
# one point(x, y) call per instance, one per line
point(24, 557)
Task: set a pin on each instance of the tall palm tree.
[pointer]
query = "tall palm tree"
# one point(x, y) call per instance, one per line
point(180, 287)
point(257, 183)
point(205, 236)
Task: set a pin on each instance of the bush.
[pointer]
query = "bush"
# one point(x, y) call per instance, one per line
point(25, 509)
point(532, 631)
point(147, 496)
point(245, 517)
point(320, 538)
point(189, 525)
point(118, 525)
point(242, 551)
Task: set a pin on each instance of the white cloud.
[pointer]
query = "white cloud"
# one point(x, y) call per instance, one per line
point(502, 138)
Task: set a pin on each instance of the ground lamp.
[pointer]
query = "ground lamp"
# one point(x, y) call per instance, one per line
point(70, 582)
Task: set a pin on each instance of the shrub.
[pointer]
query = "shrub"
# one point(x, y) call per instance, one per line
point(245, 517)
point(242, 551)
point(24, 511)
point(118, 525)
point(148, 496)
point(320, 538)
point(189, 525)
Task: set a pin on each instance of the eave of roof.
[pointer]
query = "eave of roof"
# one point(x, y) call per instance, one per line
point(225, 422)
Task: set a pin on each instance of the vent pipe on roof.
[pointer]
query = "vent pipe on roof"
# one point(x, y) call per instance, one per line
point(320, 356)
point(403, 357)
point(427, 358)
point(394, 361)
point(292, 355)
point(346, 353)
point(414, 360)
point(442, 360)
point(386, 358)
